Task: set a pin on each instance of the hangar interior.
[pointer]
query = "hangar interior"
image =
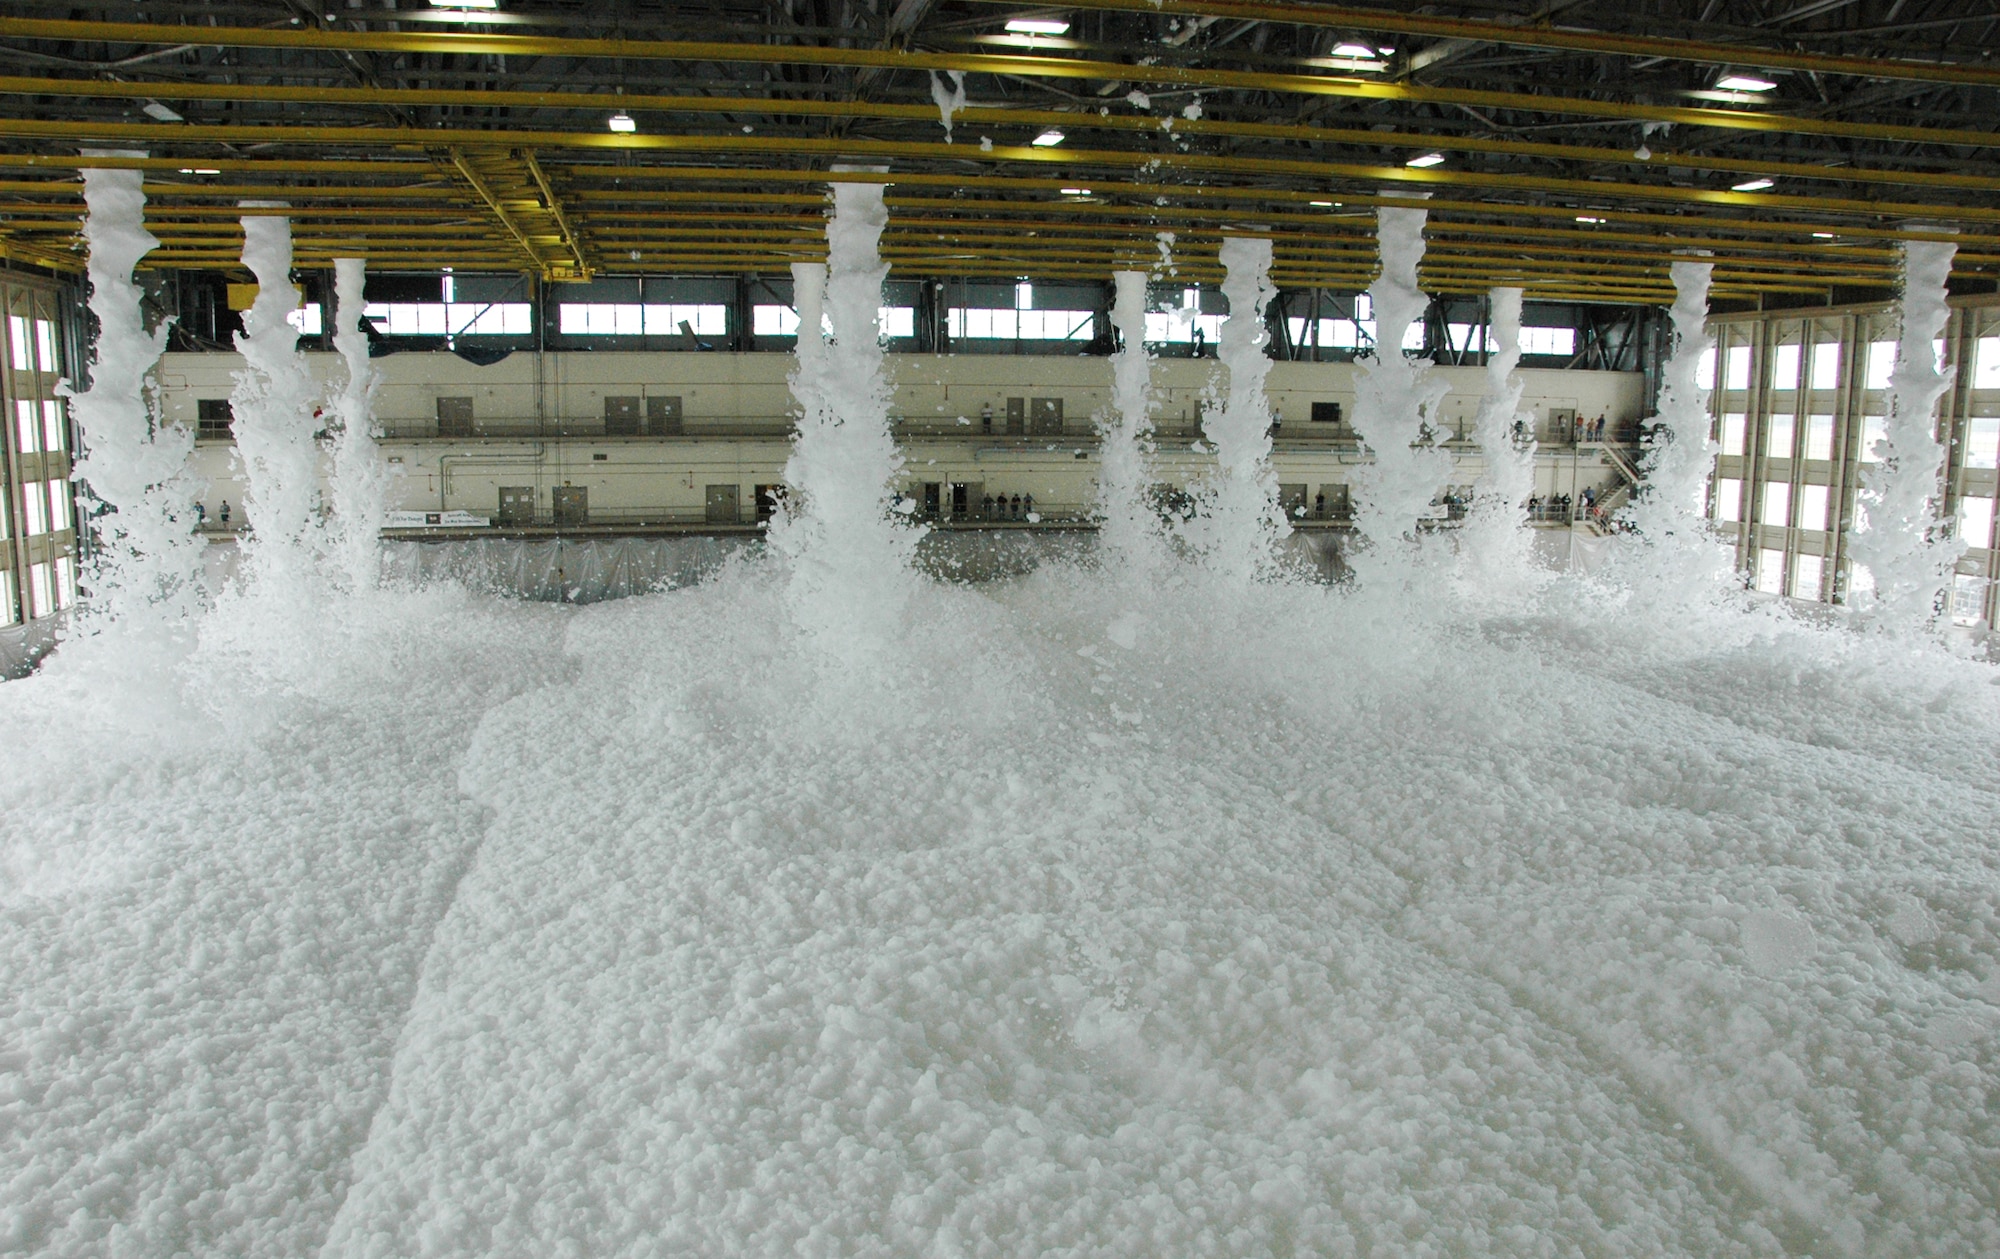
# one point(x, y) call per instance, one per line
point(579, 223)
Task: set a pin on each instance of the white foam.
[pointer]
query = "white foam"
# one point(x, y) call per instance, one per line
point(1129, 532)
point(1239, 523)
point(359, 486)
point(1677, 556)
point(1494, 540)
point(274, 403)
point(849, 554)
point(1395, 402)
point(147, 566)
point(1898, 536)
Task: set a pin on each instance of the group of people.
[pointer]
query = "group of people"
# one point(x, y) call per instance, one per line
point(1590, 430)
point(201, 515)
point(1001, 507)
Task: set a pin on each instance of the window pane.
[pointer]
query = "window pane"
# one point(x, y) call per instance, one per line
point(17, 340)
point(1771, 572)
point(65, 580)
point(783, 321)
point(1872, 432)
point(306, 320)
point(1738, 367)
point(1819, 437)
point(1806, 571)
point(1777, 503)
point(1778, 437)
point(36, 499)
point(1881, 361)
point(1826, 367)
point(1986, 364)
point(898, 321)
point(45, 345)
point(41, 592)
point(1733, 425)
point(1728, 499)
point(58, 506)
point(1785, 367)
point(1982, 441)
point(27, 432)
point(52, 425)
point(1813, 503)
point(8, 613)
point(1975, 521)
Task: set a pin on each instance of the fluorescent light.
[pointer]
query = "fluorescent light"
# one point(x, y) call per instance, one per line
point(1744, 83)
point(1752, 185)
point(1585, 218)
point(1822, 235)
point(465, 4)
point(198, 170)
point(153, 109)
point(1354, 50)
point(622, 122)
point(1428, 159)
point(1386, 52)
point(1324, 205)
point(1048, 139)
point(1037, 26)
point(1076, 192)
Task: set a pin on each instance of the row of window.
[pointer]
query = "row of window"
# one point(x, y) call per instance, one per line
point(39, 429)
point(1815, 509)
point(1824, 366)
point(45, 508)
point(32, 343)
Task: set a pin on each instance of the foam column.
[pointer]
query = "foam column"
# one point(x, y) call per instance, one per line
point(360, 482)
point(1906, 549)
point(1129, 536)
point(1393, 409)
point(273, 408)
point(1495, 537)
point(149, 557)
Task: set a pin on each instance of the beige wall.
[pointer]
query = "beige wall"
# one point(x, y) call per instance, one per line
point(736, 408)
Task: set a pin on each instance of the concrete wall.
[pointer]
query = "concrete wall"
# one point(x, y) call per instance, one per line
point(546, 421)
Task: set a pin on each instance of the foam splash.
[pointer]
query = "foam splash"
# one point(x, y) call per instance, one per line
point(1495, 539)
point(148, 563)
point(1128, 535)
point(849, 553)
point(359, 486)
point(949, 100)
point(1394, 400)
point(273, 404)
point(1239, 524)
point(1909, 552)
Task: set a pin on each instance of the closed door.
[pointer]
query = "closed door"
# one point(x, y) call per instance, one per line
point(663, 416)
point(1047, 414)
point(721, 505)
point(517, 505)
point(1017, 416)
point(454, 417)
point(1292, 498)
point(571, 504)
point(621, 416)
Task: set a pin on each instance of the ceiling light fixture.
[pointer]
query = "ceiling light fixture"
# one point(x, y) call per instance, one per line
point(465, 4)
point(1048, 139)
point(1354, 50)
point(1822, 235)
point(198, 170)
point(1076, 192)
point(155, 110)
point(1037, 26)
point(1427, 160)
point(622, 123)
point(1753, 185)
point(1324, 205)
point(1744, 83)
point(1585, 218)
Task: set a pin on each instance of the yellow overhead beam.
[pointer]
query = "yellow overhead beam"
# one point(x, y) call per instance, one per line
point(970, 117)
point(498, 209)
point(1540, 34)
point(469, 43)
point(1200, 163)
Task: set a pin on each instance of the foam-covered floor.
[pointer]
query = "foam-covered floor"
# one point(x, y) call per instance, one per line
point(1294, 923)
